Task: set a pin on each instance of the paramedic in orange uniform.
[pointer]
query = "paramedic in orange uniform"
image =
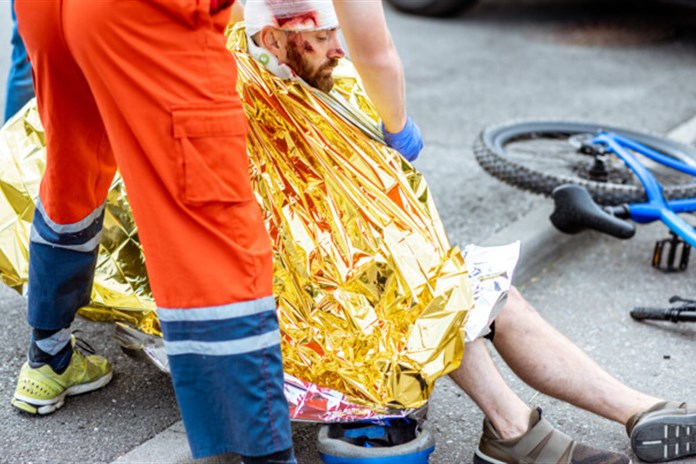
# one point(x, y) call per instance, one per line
point(149, 86)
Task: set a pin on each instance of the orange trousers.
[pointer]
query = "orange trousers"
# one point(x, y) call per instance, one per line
point(149, 86)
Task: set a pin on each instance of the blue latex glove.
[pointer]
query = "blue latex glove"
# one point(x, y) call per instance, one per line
point(407, 141)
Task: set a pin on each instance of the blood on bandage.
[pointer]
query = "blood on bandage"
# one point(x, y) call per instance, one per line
point(293, 13)
point(306, 19)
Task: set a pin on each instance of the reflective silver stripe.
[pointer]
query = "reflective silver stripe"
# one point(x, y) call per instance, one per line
point(217, 313)
point(84, 247)
point(78, 226)
point(56, 342)
point(225, 348)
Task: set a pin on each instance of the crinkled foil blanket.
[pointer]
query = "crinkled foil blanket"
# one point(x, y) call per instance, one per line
point(372, 299)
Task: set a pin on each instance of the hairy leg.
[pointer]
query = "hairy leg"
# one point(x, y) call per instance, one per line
point(549, 362)
point(480, 379)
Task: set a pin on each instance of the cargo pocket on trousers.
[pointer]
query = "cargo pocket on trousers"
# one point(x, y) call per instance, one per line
point(213, 164)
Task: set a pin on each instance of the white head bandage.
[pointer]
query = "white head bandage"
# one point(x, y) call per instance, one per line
point(289, 15)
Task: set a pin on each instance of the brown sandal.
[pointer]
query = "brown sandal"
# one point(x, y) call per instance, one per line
point(542, 443)
point(664, 432)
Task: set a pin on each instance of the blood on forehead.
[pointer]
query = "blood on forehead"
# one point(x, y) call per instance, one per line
point(293, 14)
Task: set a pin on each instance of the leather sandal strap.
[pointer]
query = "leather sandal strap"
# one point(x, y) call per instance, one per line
point(548, 444)
point(633, 421)
point(558, 449)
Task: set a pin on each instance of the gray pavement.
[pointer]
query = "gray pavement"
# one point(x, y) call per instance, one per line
point(499, 61)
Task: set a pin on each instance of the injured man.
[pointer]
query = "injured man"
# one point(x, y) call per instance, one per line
point(374, 304)
point(549, 362)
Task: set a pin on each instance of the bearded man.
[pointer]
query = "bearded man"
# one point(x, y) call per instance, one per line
point(310, 51)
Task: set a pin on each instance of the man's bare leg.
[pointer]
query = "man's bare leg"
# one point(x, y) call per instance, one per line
point(549, 362)
point(511, 419)
point(480, 379)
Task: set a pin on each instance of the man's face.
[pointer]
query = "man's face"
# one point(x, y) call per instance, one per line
point(313, 56)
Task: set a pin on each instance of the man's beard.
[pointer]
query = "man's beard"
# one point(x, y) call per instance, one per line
point(316, 79)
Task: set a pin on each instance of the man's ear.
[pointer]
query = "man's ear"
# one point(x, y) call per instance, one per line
point(272, 39)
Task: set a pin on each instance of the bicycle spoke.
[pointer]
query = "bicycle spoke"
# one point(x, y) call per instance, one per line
point(538, 156)
point(555, 155)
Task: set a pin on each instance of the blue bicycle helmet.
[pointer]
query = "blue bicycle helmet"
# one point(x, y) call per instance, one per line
point(392, 441)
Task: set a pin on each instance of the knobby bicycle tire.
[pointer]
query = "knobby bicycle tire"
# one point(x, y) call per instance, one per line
point(531, 170)
point(436, 8)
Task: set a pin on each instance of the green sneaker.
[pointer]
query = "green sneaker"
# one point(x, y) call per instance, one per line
point(41, 391)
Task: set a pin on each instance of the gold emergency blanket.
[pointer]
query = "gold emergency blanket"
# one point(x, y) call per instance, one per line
point(372, 299)
point(371, 296)
point(121, 289)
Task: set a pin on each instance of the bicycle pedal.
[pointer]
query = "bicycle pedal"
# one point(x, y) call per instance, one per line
point(671, 254)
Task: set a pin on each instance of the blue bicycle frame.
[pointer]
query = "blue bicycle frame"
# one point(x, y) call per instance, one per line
point(656, 208)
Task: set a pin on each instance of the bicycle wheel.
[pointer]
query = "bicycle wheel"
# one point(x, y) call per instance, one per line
point(537, 156)
point(436, 8)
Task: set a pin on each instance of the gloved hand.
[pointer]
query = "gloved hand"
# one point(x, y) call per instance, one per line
point(408, 141)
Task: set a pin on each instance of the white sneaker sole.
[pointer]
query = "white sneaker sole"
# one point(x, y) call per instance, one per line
point(48, 406)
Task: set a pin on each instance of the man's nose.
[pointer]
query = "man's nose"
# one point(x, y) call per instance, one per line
point(336, 52)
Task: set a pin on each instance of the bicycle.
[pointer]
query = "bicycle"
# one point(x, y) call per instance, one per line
point(598, 180)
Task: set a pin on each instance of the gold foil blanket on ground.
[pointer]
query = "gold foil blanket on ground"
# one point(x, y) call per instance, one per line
point(372, 299)
point(121, 290)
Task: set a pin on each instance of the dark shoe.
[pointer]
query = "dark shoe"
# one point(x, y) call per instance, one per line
point(664, 432)
point(281, 457)
point(542, 444)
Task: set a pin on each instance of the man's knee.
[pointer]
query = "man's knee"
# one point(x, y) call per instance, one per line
point(515, 307)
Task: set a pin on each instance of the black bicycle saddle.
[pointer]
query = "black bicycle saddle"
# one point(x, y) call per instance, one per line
point(575, 211)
